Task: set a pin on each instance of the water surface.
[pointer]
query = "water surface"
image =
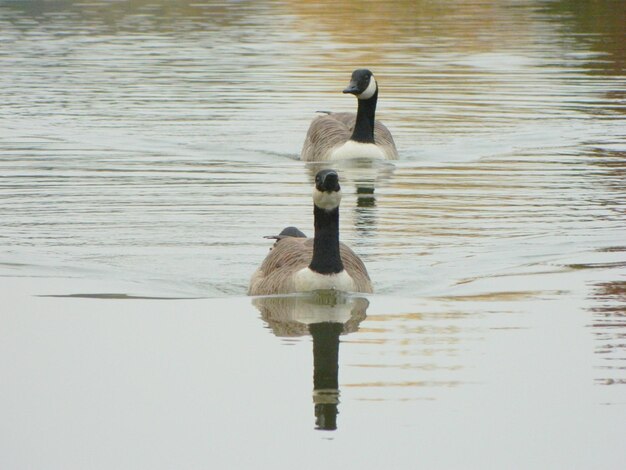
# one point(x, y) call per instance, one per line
point(147, 148)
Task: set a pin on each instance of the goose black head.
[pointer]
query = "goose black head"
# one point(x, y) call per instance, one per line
point(327, 180)
point(362, 84)
point(327, 192)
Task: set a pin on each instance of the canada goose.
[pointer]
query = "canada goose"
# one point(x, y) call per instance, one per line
point(347, 135)
point(301, 264)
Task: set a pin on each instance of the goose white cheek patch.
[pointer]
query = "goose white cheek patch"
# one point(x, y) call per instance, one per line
point(326, 200)
point(370, 90)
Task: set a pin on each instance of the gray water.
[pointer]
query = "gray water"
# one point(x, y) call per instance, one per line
point(147, 147)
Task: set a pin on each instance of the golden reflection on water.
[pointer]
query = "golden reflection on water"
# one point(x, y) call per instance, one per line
point(410, 345)
point(410, 355)
point(462, 25)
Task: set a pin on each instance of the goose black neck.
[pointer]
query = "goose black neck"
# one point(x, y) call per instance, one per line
point(365, 116)
point(326, 257)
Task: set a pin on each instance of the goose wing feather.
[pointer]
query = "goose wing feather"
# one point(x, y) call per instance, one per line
point(325, 133)
point(275, 275)
point(383, 138)
point(356, 269)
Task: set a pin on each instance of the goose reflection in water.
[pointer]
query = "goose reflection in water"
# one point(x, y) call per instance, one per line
point(362, 176)
point(362, 173)
point(325, 315)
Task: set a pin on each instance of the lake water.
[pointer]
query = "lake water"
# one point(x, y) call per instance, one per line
point(147, 147)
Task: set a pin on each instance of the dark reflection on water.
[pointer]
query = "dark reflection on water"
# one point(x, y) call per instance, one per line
point(609, 327)
point(326, 373)
point(325, 315)
point(598, 24)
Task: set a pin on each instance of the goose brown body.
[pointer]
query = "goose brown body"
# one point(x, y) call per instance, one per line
point(291, 254)
point(329, 132)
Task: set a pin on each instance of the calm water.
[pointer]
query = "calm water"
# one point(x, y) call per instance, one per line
point(147, 148)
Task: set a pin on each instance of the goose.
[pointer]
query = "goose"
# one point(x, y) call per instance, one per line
point(297, 263)
point(336, 136)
